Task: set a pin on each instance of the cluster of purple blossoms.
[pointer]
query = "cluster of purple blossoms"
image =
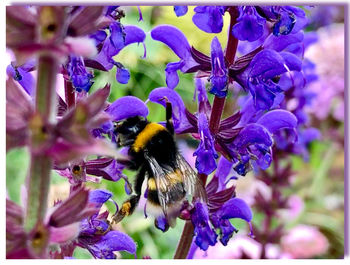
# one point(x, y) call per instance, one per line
point(271, 41)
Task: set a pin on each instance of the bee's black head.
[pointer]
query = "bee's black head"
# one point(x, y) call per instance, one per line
point(128, 129)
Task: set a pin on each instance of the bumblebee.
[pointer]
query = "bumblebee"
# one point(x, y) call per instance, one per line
point(154, 154)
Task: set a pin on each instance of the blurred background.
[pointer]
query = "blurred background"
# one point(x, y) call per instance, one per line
point(314, 222)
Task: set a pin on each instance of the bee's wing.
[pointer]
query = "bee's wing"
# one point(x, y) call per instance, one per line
point(163, 182)
point(193, 185)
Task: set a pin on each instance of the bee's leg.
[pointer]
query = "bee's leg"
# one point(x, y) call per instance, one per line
point(129, 205)
point(169, 118)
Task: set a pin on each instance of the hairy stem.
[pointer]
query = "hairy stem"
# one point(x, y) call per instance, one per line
point(50, 30)
point(40, 165)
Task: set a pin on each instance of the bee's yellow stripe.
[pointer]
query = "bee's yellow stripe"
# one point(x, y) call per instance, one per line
point(145, 135)
point(152, 184)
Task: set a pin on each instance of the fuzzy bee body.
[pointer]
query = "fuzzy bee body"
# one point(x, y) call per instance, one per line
point(153, 152)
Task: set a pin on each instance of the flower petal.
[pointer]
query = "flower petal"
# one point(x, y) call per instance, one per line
point(204, 234)
point(292, 61)
point(278, 119)
point(117, 35)
point(250, 25)
point(281, 42)
point(126, 107)
point(180, 10)
point(253, 134)
point(113, 241)
point(268, 64)
point(223, 170)
point(99, 196)
point(172, 78)
point(179, 116)
point(236, 208)
point(174, 38)
point(209, 18)
point(122, 75)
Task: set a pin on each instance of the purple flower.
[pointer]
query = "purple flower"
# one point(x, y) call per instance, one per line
point(253, 143)
point(209, 18)
point(23, 76)
point(250, 25)
point(78, 75)
point(218, 76)
point(206, 153)
point(95, 234)
point(117, 35)
point(180, 10)
point(99, 36)
point(258, 78)
point(288, 19)
point(205, 236)
point(176, 41)
point(120, 37)
point(233, 208)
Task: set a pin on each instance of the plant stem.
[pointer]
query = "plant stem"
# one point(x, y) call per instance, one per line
point(232, 42)
point(185, 241)
point(50, 30)
point(230, 53)
point(39, 175)
point(216, 112)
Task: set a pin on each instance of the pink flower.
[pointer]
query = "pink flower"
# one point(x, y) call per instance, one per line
point(328, 56)
point(304, 241)
point(237, 248)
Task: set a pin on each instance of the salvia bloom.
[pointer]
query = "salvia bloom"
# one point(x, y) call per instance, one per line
point(79, 141)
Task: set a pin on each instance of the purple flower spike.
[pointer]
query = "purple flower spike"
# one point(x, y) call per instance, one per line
point(180, 10)
point(127, 107)
point(250, 25)
point(278, 119)
point(79, 76)
point(179, 117)
point(205, 236)
point(209, 18)
point(206, 154)
point(218, 76)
